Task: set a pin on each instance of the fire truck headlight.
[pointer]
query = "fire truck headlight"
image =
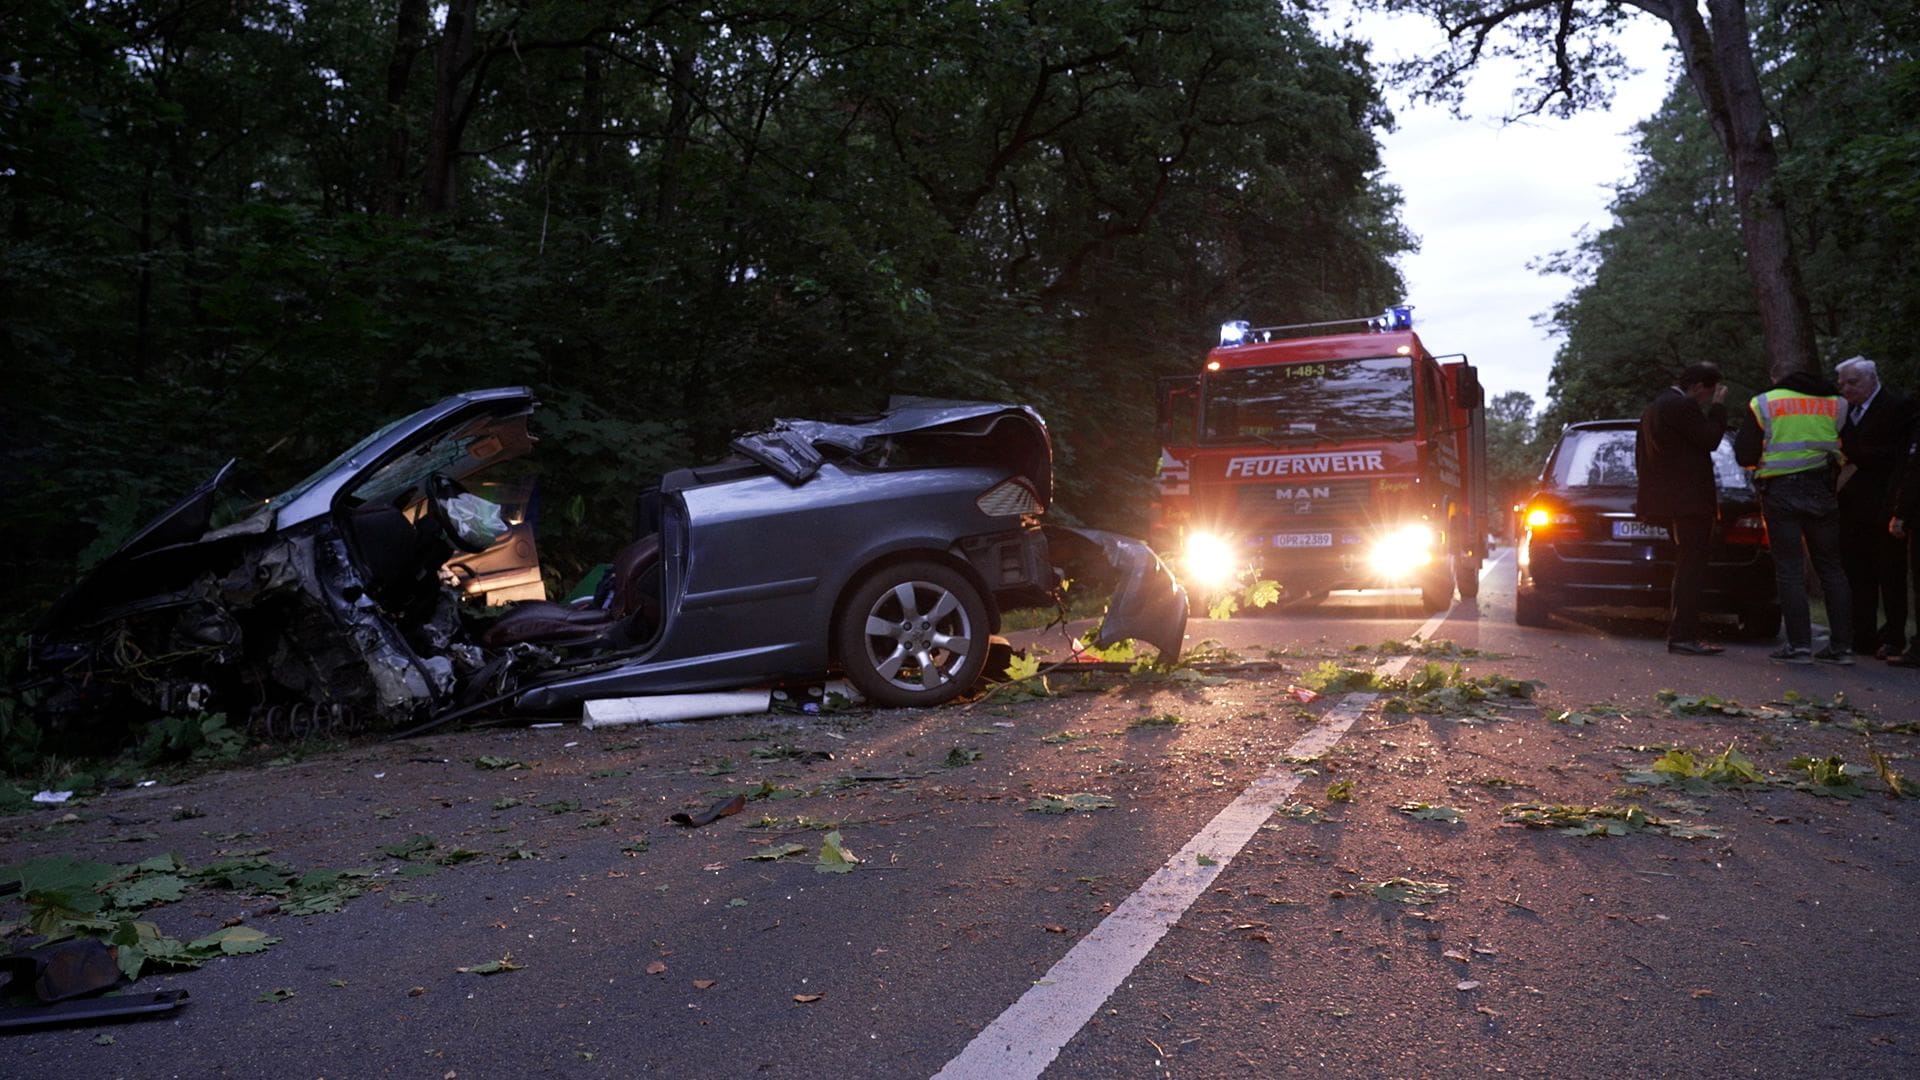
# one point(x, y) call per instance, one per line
point(1403, 551)
point(1210, 560)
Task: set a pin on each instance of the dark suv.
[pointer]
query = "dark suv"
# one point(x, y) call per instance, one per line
point(1582, 546)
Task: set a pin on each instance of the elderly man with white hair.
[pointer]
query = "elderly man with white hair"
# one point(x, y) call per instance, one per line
point(1874, 436)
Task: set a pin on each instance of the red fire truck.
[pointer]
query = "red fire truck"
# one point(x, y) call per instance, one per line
point(1333, 455)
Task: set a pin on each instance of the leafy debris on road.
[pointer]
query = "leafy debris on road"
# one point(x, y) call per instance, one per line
point(276, 995)
point(1340, 791)
point(1898, 786)
point(1602, 820)
point(1066, 804)
point(1700, 704)
point(491, 762)
point(1679, 767)
point(1420, 811)
point(960, 757)
point(1417, 647)
point(834, 857)
point(778, 852)
point(492, 967)
point(1400, 890)
point(1828, 776)
point(1158, 720)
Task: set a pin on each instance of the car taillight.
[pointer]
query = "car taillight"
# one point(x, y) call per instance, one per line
point(1747, 529)
point(1010, 498)
point(1546, 517)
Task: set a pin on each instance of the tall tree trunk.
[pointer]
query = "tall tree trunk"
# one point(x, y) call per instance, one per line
point(673, 149)
point(409, 37)
point(450, 64)
point(1719, 63)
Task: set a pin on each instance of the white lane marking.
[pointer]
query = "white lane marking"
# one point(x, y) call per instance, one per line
point(1022, 1041)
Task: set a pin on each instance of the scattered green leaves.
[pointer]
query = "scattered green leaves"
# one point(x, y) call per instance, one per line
point(1340, 791)
point(493, 967)
point(1066, 804)
point(1601, 820)
point(1420, 811)
point(1828, 776)
point(492, 762)
point(1700, 704)
point(834, 856)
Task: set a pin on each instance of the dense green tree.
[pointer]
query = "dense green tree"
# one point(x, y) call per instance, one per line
point(1515, 451)
point(260, 227)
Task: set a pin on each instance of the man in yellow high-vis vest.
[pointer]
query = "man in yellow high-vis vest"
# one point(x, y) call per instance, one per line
point(1793, 448)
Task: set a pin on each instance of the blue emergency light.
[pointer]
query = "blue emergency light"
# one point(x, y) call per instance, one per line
point(1398, 317)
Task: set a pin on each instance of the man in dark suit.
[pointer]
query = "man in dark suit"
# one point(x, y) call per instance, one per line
point(1874, 438)
point(1673, 454)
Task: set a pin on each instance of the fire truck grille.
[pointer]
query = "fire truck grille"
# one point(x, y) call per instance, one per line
point(1304, 499)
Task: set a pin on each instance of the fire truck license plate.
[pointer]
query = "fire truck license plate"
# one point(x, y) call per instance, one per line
point(1638, 530)
point(1300, 540)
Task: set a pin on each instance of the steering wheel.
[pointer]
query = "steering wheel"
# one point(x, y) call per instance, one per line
point(441, 491)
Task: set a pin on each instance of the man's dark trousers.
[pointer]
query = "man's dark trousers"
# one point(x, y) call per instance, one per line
point(1691, 533)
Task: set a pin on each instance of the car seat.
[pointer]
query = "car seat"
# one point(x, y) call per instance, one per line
point(626, 604)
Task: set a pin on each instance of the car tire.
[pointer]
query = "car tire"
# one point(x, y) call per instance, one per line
point(1466, 575)
point(913, 634)
point(1436, 592)
point(1529, 609)
point(1760, 623)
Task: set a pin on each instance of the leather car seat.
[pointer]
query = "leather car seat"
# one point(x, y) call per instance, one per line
point(630, 589)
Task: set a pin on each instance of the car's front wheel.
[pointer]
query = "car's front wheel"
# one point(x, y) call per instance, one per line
point(913, 634)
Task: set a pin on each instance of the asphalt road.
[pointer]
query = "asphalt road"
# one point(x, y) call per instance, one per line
point(1227, 915)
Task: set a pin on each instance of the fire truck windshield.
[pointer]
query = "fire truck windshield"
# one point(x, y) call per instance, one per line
point(1322, 401)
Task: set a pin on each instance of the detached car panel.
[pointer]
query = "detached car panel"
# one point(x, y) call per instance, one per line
point(1582, 545)
point(884, 549)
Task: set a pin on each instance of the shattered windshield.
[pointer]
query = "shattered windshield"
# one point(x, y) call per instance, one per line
point(1324, 401)
point(335, 465)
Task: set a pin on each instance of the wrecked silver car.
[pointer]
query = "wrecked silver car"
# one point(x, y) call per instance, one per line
point(400, 584)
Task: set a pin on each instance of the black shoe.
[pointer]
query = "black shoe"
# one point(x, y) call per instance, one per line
point(1831, 655)
point(1694, 648)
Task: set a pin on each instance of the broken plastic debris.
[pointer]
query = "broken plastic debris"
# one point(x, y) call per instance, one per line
point(551, 723)
point(52, 796)
point(146, 783)
point(1300, 693)
point(612, 712)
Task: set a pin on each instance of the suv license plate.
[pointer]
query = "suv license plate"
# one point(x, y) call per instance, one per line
point(1300, 540)
point(1638, 530)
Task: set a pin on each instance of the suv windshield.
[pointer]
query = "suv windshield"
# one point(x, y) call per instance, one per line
point(1323, 401)
point(1603, 458)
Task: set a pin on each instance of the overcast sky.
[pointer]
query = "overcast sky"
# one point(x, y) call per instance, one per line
point(1486, 199)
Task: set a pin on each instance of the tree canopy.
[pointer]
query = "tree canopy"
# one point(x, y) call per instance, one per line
point(1665, 285)
point(1567, 45)
point(262, 227)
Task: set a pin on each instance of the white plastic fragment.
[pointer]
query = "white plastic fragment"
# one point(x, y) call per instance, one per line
point(613, 712)
point(52, 796)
